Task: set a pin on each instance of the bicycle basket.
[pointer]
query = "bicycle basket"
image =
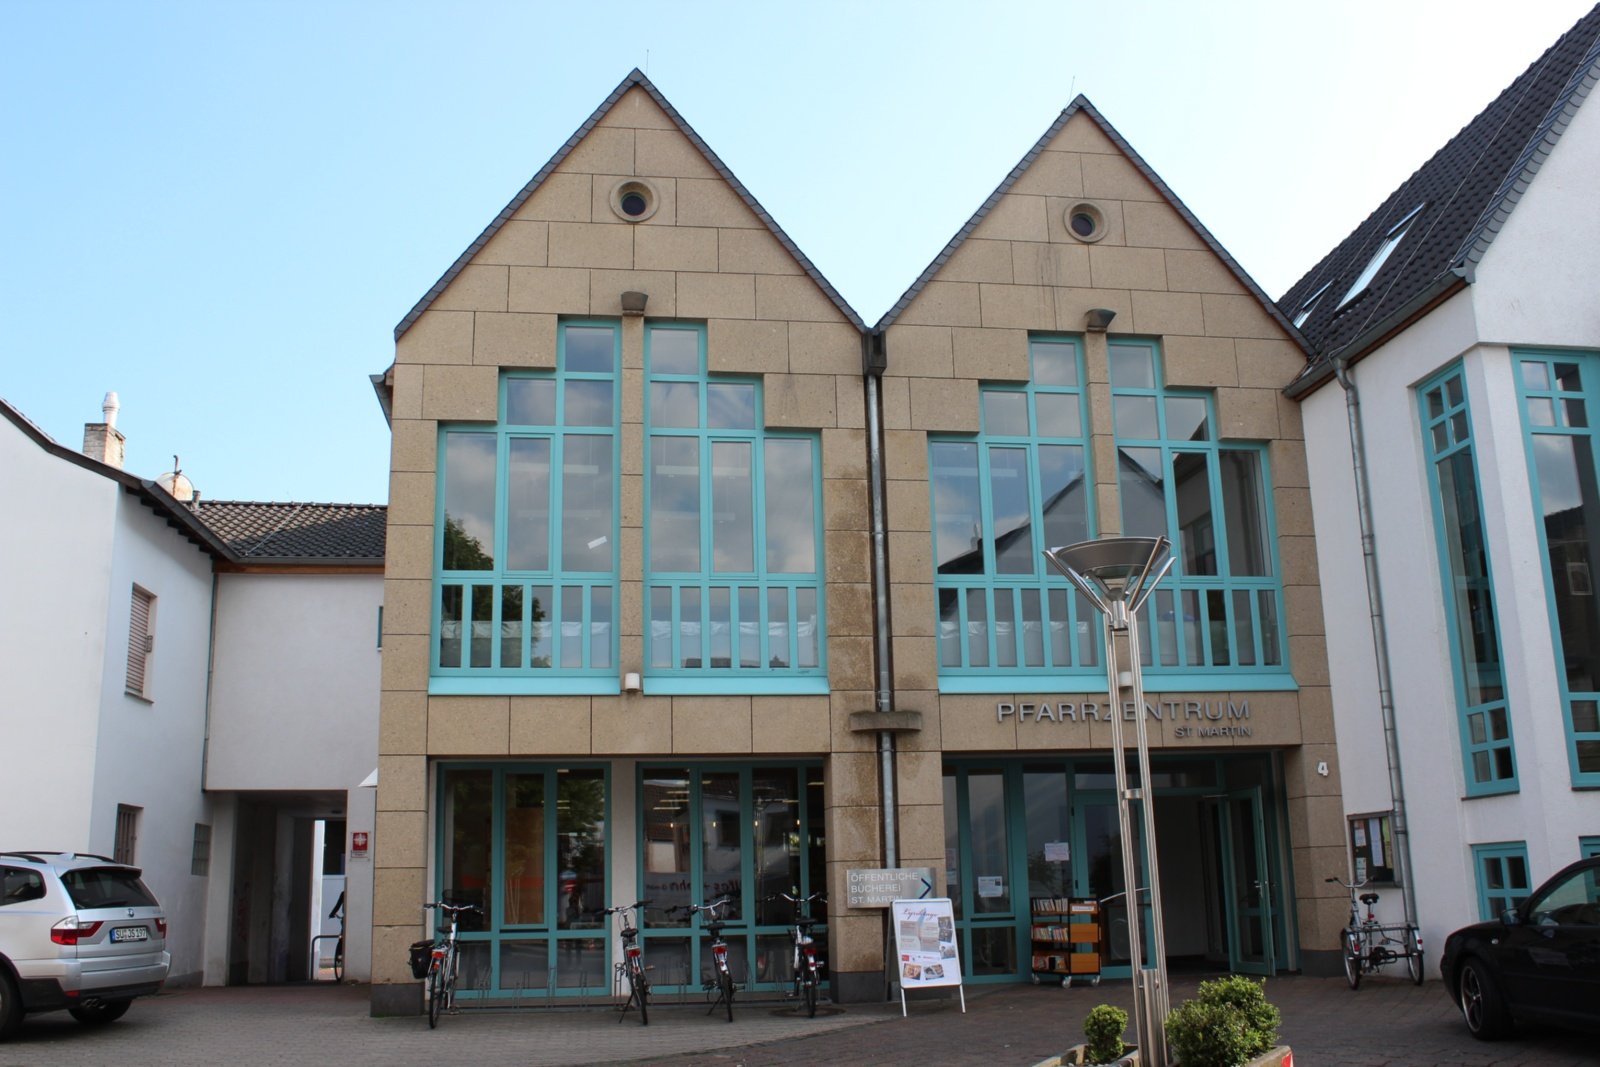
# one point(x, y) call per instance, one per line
point(421, 955)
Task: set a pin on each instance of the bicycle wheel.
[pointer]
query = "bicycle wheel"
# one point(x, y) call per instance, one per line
point(727, 992)
point(641, 993)
point(811, 995)
point(338, 960)
point(1352, 958)
point(435, 993)
point(1414, 954)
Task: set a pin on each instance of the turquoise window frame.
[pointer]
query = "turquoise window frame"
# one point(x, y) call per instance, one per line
point(995, 588)
point(1237, 771)
point(1588, 847)
point(1447, 433)
point(744, 928)
point(733, 678)
point(1584, 740)
point(1500, 860)
point(592, 677)
point(1193, 669)
point(498, 932)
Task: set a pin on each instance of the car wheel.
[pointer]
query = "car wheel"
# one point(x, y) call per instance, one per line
point(10, 1006)
point(100, 1012)
point(1481, 1005)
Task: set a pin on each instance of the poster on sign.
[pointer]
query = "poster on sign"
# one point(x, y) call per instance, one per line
point(926, 947)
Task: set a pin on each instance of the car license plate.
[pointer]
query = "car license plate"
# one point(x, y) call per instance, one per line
point(130, 933)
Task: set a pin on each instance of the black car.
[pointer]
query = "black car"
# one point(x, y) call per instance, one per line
point(1538, 962)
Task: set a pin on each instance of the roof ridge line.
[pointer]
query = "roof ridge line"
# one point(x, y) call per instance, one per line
point(635, 77)
point(1081, 103)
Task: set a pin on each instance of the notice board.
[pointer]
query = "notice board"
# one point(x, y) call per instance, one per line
point(927, 953)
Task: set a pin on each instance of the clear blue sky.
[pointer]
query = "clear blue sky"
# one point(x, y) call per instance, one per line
point(221, 210)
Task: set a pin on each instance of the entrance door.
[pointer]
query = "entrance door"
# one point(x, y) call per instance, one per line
point(1245, 883)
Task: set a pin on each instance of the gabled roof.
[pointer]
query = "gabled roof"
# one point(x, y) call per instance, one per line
point(1081, 104)
point(1467, 190)
point(149, 493)
point(295, 532)
point(635, 78)
point(237, 532)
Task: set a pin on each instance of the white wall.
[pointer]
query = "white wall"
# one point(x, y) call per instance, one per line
point(55, 563)
point(150, 751)
point(1535, 286)
point(294, 701)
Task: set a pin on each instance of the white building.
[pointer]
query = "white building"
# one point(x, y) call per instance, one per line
point(191, 687)
point(1461, 316)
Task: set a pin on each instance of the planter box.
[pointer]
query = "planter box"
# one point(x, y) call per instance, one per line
point(1073, 1057)
point(1278, 1056)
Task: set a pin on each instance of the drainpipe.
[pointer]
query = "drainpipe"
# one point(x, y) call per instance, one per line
point(1380, 632)
point(883, 697)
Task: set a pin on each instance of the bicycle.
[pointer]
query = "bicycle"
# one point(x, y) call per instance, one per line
point(445, 962)
point(338, 944)
point(631, 967)
point(807, 969)
point(721, 980)
point(1368, 945)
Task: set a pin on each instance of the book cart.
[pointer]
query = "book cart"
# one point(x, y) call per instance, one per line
point(1067, 935)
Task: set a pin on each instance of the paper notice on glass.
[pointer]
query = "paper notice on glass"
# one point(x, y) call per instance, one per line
point(991, 886)
point(1057, 852)
point(1361, 835)
point(1377, 849)
point(1361, 869)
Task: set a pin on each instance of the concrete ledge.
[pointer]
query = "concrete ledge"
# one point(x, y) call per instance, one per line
point(899, 722)
point(390, 1000)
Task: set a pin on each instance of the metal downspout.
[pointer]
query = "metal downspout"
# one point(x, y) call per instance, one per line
point(1380, 633)
point(883, 697)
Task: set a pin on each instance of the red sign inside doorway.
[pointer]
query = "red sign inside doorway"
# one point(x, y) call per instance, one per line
point(358, 844)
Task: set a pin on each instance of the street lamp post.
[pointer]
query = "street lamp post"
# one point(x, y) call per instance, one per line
point(1117, 575)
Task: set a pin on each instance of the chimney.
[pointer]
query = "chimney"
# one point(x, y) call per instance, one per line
point(102, 440)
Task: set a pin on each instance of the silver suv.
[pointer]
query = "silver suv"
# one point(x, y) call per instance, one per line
point(78, 932)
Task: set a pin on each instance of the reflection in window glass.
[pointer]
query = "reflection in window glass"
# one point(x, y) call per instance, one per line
point(1132, 367)
point(732, 509)
point(528, 504)
point(469, 835)
point(588, 403)
point(1143, 491)
point(791, 506)
point(525, 841)
point(1135, 417)
point(1245, 508)
point(1197, 541)
point(730, 407)
point(1013, 511)
point(674, 404)
point(957, 507)
point(531, 402)
point(589, 349)
point(674, 351)
point(587, 491)
point(1567, 484)
point(469, 513)
point(674, 504)
point(1005, 414)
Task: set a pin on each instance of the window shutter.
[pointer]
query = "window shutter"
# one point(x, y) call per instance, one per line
point(141, 641)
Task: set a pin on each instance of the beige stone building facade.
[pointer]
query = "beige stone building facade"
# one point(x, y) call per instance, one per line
point(682, 559)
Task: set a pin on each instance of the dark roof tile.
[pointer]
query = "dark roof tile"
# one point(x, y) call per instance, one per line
point(1467, 190)
point(280, 532)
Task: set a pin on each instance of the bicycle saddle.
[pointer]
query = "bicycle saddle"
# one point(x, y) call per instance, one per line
point(1369, 898)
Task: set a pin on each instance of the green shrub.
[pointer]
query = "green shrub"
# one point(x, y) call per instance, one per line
point(1227, 1023)
point(1103, 1026)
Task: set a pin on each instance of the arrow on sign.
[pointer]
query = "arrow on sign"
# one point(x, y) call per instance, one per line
point(927, 887)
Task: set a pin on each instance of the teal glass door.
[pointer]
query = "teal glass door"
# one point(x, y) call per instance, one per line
point(1246, 884)
point(982, 883)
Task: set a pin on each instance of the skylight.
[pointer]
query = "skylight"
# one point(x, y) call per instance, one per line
point(1391, 241)
point(1309, 306)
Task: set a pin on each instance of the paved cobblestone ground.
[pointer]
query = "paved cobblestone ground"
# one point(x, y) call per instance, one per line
point(1386, 1024)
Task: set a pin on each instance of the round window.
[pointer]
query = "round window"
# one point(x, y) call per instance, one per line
point(1086, 222)
point(634, 200)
